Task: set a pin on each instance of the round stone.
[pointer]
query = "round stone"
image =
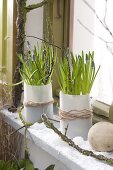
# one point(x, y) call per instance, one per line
point(100, 136)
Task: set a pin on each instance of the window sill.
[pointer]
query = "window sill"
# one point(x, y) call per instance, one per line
point(50, 142)
point(100, 111)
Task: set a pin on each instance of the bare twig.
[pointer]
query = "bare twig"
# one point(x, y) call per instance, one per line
point(12, 133)
point(109, 48)
point(5, 106)
point(94, 11)
point(105, 14)
point(54, 120)
point(72, 144)
point(102, 23)
point(97, 36)
point(92, 33)
point(31, 36)
point(66, 129)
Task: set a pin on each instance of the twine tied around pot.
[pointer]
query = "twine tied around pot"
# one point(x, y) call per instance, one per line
point(35, 104)
point(74, 114)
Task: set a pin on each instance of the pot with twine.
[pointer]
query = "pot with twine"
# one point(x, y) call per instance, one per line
point(76, 77)
point(75, 115)
point(36, 72)
point(37, 100)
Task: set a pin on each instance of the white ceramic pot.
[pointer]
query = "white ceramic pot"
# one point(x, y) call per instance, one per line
point(37, 94)
point(78, 126)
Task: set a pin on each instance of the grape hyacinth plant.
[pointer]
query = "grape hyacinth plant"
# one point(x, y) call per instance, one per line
point(38, 64)
point(76, 74)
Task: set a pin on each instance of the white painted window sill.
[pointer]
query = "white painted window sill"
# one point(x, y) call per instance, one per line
point(50, 142)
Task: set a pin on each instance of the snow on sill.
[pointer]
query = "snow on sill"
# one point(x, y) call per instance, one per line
point(47, 140)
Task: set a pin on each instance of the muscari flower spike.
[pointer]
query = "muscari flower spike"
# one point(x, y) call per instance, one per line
point(28, 45)
point(93, 64)
point(79, 57)
point(87, 57)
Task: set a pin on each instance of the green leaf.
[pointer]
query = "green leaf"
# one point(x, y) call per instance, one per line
point(22, 163)
point(2, 165)
point(29, 165)
point(51, 167)
point(7, 166)
point(76, 74)
point(38, 70)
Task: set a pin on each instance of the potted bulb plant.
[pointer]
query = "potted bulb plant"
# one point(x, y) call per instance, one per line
point(36, 72)
point(76, 75)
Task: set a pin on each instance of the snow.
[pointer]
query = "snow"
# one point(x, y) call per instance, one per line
point(53, 140)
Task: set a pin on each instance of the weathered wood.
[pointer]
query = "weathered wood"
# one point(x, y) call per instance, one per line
point(20, 39)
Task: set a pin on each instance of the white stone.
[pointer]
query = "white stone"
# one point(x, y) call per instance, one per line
point(100, 136)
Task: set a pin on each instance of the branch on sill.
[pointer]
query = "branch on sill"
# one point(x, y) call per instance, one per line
point(72, 144)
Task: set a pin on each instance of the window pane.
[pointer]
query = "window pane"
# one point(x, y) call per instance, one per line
point(90, 34)
point(102, 53)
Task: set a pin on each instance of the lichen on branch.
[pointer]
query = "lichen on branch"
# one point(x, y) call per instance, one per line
point(35, 6)
point(72, 144)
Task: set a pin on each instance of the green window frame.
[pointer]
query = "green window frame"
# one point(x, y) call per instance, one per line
point(3, 35)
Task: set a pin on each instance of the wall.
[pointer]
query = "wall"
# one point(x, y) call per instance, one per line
point(80, 38)
point(34, 23)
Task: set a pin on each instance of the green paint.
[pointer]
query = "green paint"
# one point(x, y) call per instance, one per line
point(4, 34)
